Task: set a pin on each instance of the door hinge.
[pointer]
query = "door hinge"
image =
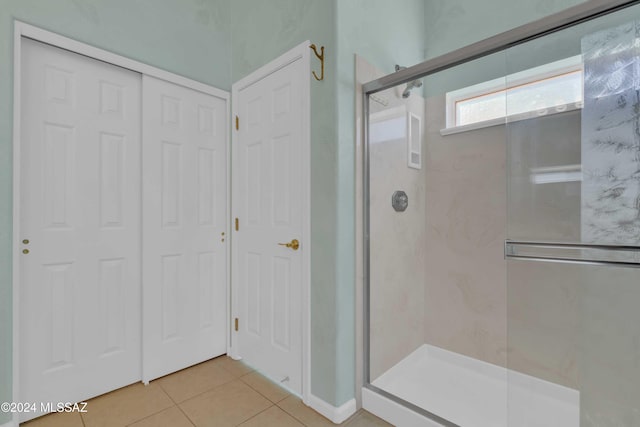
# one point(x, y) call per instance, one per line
point(237, 224)
point(237, 123)
point(236, 324)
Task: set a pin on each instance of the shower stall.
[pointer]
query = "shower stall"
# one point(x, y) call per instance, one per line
point(501, 229)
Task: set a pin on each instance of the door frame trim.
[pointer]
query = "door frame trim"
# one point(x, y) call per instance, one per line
point(300, 52)
point(22, 29)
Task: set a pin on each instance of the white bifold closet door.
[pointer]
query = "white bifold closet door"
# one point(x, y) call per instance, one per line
point(80, 223)
point(185, 212)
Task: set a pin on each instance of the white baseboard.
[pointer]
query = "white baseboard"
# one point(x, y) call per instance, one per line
point(336, 415)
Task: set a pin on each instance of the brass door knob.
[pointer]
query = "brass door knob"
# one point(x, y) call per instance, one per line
point(294, 244)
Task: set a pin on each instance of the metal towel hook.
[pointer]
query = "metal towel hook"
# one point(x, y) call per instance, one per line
point(321, 58)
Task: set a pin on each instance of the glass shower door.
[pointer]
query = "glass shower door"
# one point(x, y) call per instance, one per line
point(573, 239)
point(435, 293)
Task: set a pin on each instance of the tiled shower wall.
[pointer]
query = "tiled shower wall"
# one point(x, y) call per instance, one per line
point(465, 292)
point(398, 242)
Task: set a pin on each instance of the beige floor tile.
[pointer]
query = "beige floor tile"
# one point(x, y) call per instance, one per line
point(265, 387)
point(126, 405)
point(366, 419)
point(272, 417)
point(228, 405)
point(172, 417)
point(236, 367)
point(60, 419)
point(195, 380)
point(307, 416)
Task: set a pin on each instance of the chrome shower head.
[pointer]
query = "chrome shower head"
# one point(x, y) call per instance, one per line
point(410, 85)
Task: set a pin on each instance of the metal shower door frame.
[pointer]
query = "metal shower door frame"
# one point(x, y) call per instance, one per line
point(570, 17)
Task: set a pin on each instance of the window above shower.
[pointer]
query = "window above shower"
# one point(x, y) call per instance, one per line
point(552, 88)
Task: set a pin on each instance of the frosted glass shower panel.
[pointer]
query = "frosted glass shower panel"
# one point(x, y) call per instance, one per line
point(573, 238)
point(573, 170)
point(610, 193)
point(574, 353)
point(544, 178)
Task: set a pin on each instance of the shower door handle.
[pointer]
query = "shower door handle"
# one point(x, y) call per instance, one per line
point(573, 253)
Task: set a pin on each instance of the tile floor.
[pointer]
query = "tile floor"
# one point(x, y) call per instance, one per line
point(220, 392)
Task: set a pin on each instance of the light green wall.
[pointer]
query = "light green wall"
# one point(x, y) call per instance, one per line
point(261, 31)
point(384, 33)
point(188, 37)
point(452, 24)
point(220, 41)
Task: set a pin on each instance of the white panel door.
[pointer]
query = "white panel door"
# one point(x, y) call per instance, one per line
point(80, 188)
point(267, 199)
point(185, 219)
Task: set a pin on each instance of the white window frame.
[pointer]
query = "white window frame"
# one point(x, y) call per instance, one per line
point(502, 84)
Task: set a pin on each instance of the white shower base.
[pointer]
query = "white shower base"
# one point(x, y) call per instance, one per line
point(470, 393)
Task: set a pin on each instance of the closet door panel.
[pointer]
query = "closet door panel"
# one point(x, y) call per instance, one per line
point(185, 217)
point(80, 309)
